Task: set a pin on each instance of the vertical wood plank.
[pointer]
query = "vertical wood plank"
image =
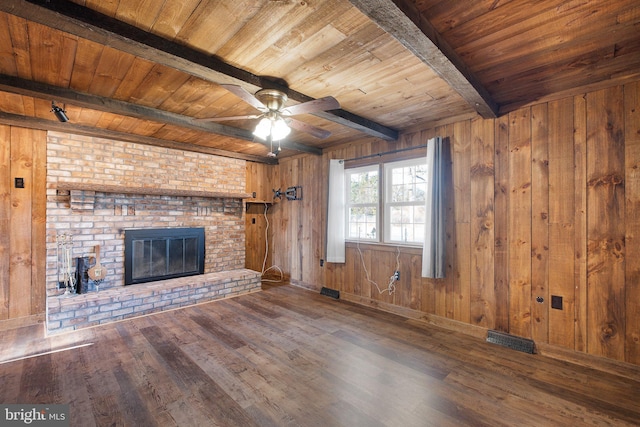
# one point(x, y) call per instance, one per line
point(283, 227)
point(483, 299)
point(580, 221)
point(520, 222)
point(501, 232)
point(458, 233)
point(605, 223)
point(294, 245)
point(18, 27)
point(411, 269)
point(363, 273)
point(5, 218)
point(255, 241)
point(311, 202)
point(352, 272)
point(562, 212)
point(20, 224)
point(461, 157)
point(8, 61)
point(39, 221)
point(539, 222)
point(632, 217)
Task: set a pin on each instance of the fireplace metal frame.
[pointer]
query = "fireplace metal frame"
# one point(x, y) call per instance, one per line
point(131, 235)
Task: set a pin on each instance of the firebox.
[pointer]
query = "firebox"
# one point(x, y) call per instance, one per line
point(152, 254)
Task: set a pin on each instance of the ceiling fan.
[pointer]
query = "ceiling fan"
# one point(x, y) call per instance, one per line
point(276, 119)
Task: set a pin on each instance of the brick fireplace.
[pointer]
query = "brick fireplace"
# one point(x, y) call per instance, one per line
point(97, 188)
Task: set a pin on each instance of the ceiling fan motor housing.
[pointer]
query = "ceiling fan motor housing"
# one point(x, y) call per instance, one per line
point(273, 99)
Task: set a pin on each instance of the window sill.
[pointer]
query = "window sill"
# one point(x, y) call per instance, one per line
point(389, 247)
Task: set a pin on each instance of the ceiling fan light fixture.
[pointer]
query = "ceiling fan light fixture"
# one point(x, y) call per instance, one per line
point(279, 130)
point(263, 129)
point(274, 127)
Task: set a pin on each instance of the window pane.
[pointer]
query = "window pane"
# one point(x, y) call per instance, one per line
point(405, 188)
point(396, 233)
point(364, 187)
point(363, 222)
point(362, 203)
point(406, 223)
point(408, 183)
point(419, 213)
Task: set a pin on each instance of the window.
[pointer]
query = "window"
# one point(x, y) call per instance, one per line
point(386, 202)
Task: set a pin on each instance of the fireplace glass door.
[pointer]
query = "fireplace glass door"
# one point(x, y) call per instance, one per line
point(156, 254)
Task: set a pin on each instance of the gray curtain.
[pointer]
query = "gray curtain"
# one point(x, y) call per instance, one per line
point(433, 252)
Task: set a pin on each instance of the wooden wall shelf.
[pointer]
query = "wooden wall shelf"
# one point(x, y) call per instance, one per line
point(101, 188)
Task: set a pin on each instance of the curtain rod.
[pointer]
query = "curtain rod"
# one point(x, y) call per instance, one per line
point(383, 154)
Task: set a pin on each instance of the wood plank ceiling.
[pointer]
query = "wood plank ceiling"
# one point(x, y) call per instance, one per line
point(144, 71)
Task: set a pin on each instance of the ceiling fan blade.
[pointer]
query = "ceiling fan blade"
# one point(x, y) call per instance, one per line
point(320, 104)
point(247, 97)
point(224, 119)
point(306, 127)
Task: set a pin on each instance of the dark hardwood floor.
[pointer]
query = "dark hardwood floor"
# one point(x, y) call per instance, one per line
point(290, 357)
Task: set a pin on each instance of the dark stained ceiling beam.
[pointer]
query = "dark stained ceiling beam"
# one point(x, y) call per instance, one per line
point(86, 23)
point(52, 125)
point(69, 96)
point(403, 20)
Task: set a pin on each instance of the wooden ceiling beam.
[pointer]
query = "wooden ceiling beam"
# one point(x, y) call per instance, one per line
point(52, 125)
point(89, 24)
point(69, 96)
point(402, 20)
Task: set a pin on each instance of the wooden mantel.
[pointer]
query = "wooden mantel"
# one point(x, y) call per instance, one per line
point(102, 188)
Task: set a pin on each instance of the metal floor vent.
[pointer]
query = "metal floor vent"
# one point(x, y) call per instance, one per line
point(330, 293)
point(516, 343)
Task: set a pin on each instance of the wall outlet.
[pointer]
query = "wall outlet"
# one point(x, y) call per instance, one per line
point(396, 276)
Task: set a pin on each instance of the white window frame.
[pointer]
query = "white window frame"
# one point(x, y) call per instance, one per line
point(383, 205)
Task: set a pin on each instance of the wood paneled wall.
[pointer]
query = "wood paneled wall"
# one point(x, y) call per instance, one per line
point(296, 226)
point(544, 201)
point(261, 181)
point(22, 222)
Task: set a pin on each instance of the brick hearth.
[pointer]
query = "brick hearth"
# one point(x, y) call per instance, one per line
point(95, 308)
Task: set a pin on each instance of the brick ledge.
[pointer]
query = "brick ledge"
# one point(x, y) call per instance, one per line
point(113, 304)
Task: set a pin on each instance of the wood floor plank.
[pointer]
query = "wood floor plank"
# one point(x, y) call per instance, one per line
point(102, 386)
point(38, 383)
point(291, 357)
point(72, 386)
point(134, 407)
